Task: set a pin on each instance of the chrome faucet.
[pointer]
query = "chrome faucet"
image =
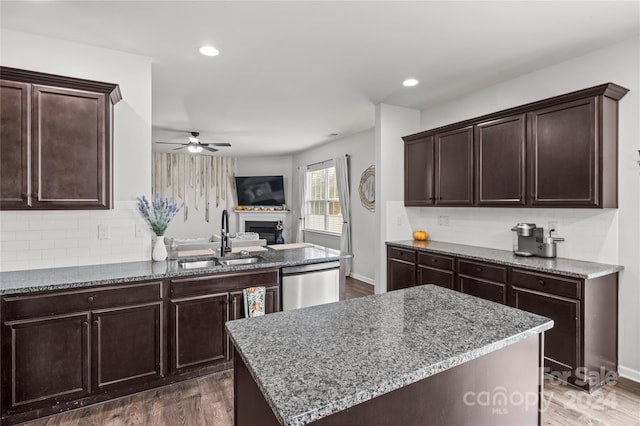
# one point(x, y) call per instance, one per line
point(224, 234)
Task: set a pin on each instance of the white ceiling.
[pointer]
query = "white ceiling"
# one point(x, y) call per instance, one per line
point(290, 73)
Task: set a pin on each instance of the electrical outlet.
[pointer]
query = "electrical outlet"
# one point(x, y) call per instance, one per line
point(104, 231)
point(140, 228)
point(443, 220)
point(398, 220)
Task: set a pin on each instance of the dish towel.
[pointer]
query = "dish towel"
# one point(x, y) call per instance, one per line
point(254, 301)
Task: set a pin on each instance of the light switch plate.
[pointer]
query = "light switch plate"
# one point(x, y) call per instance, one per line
point(443, 220)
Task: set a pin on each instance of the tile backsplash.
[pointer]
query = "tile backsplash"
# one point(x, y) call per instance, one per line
point(48, 239)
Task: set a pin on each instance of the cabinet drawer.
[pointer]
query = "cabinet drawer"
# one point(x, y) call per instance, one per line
point(546, 283)
point(185, 287)
point(22, 307)
point(483, 270)
point(435, 261)
point(402, 254)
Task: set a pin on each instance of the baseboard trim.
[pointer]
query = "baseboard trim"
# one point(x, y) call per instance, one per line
point(629, 373)
point(362, 278)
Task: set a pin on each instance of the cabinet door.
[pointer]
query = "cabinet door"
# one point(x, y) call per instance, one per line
point(563, 151)
point(562, 342)
point(400, 274)
point(15, 103)
point(71, 161)
point(489, 290)
point(48, 361)
point(500, 149)
point(428, 275)
point(454, 167)
point(198, 335)
point(127, 344)
point(419, 172)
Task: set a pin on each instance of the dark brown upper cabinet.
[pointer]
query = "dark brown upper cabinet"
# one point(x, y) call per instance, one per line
point(56, 146)
point(419, 166)
point(557, 152)
point(454, 167)
point(500, 150)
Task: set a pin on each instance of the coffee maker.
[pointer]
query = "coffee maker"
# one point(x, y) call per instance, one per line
point(530, 240)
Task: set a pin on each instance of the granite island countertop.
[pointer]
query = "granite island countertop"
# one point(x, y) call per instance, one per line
point(313, 362)
point(16, 282)
point(558, 265)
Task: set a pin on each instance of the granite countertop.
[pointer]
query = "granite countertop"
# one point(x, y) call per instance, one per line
point(310, 363)
point(558, 265)
point(17, 282)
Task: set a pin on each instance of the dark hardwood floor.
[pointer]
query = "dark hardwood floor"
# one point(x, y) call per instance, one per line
point(208, 401)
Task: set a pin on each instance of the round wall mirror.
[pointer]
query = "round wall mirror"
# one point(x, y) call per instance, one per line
point(367, 188)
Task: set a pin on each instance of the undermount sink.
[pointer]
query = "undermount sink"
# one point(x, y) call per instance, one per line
point(196, 264)
point(241, 261)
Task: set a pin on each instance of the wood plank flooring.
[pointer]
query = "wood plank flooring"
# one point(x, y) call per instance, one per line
point(208, 401)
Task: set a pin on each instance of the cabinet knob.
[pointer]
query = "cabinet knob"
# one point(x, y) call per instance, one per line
point(24, 196)
point(96, 321)
point(478, 269)
point(90, 298)
point(435, 260)
point(84, 323)
point(541, 282)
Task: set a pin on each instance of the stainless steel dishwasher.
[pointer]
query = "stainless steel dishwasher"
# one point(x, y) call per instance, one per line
point(310, 285)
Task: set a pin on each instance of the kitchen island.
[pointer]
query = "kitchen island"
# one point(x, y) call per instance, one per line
point(422, 355)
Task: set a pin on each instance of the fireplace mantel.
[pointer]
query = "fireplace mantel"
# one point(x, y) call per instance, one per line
point(273, 215)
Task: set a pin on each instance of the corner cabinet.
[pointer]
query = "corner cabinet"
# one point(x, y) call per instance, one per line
point(557, 152)
point(56, 141)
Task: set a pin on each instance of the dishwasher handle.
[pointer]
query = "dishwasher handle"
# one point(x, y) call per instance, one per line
point(313, 267)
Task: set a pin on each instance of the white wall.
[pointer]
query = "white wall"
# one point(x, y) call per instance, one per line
point(360, 147)
point(610, 236)
point(391, 223)
point(43, 239)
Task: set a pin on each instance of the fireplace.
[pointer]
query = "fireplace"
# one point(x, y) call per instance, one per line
point(266, 229)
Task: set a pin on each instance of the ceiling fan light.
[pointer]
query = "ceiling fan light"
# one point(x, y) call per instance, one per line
point(194, 148)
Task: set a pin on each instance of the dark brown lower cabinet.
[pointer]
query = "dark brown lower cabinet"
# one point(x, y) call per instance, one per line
point(401, 268)
point(435, 269)
point(483, 280)
point(563, 340)
point(198, 330)
point(127, 344)
point(46, 359)
point(582, 346)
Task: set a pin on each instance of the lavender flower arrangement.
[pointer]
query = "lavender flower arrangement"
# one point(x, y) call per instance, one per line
point(159, 214)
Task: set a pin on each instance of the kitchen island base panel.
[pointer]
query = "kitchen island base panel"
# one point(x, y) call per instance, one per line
point(501, 388)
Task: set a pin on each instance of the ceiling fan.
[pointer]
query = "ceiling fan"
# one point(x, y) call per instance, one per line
point(195, 145)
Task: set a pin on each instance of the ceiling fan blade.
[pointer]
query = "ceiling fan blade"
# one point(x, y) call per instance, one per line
point(182, 147)
point(171, 143)
point(216, 144)
point(206, 148)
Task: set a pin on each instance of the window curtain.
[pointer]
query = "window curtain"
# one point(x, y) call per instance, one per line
point(302, 174)
point(342, 180)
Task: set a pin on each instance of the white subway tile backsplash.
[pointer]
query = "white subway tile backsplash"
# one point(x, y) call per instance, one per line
point(44, 239)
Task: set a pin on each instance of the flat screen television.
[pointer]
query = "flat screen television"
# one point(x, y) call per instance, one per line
point(260, 190)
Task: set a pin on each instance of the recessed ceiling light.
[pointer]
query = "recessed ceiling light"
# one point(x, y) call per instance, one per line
point(209, 51)
point(410, 82)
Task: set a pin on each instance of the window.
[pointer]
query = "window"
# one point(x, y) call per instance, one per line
point(321, 200)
